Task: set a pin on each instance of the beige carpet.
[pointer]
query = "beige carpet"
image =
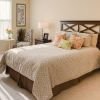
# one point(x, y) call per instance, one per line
point(88, 89)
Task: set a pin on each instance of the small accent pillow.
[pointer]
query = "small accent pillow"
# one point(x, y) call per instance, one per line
point(28, 36)
point(77, 41)
point(69, 33)
point(58, 38)
point(65, 44)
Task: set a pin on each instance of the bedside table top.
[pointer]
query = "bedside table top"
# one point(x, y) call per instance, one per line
point(40, 41)
point(7, 39)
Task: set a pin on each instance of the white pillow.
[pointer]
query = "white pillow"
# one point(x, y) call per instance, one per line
point(69, 33)
point(87, 39)
point(94, 40)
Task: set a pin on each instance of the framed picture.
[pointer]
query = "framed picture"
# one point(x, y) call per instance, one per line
point(45, 37)
point(20, 15)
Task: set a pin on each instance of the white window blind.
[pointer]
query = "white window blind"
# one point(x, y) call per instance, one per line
point(5, 17)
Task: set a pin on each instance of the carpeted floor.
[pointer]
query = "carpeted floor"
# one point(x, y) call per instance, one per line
point(88, 89)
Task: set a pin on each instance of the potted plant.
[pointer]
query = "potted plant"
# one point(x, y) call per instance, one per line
point(10, 32)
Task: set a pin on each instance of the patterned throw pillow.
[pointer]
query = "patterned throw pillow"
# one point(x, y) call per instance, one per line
point(58, 38)
point(65, 44)
point(77, 41)
point(28, 36)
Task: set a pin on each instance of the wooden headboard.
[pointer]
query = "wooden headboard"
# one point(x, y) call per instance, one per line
point(82, 27)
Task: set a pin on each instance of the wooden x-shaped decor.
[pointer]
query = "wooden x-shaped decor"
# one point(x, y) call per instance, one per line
point(77, 26)
point(91, 28)
point(87, 28)
point(70, 27)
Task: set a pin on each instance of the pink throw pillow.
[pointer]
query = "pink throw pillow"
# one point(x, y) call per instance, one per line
point(58, 38)
point(77, 41)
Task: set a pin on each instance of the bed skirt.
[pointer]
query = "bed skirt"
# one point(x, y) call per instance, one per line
point(27, 84)
point(21, 80)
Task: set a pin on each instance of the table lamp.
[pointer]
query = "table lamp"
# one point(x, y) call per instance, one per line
point(43, 26)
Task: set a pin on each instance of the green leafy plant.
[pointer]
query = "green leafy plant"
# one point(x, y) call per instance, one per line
point(10, 32)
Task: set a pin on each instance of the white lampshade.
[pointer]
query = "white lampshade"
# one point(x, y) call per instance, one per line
point(43, 25)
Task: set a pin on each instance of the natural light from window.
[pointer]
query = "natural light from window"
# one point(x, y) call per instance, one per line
point(5, 17)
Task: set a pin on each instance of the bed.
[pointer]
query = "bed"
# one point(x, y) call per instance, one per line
point(45, 70)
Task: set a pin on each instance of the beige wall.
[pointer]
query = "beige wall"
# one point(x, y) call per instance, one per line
point(14, 2)
point(56, 10)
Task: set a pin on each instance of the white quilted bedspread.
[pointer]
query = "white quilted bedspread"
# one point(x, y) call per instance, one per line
point(49, 66)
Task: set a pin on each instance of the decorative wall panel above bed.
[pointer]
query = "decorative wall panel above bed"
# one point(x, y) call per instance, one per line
point(82, 27)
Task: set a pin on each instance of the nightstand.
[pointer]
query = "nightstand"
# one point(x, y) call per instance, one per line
point(40, 41)
point(6, 44)
point(11, 43)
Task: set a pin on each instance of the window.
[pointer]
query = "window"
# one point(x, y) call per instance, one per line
point(5, 17)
